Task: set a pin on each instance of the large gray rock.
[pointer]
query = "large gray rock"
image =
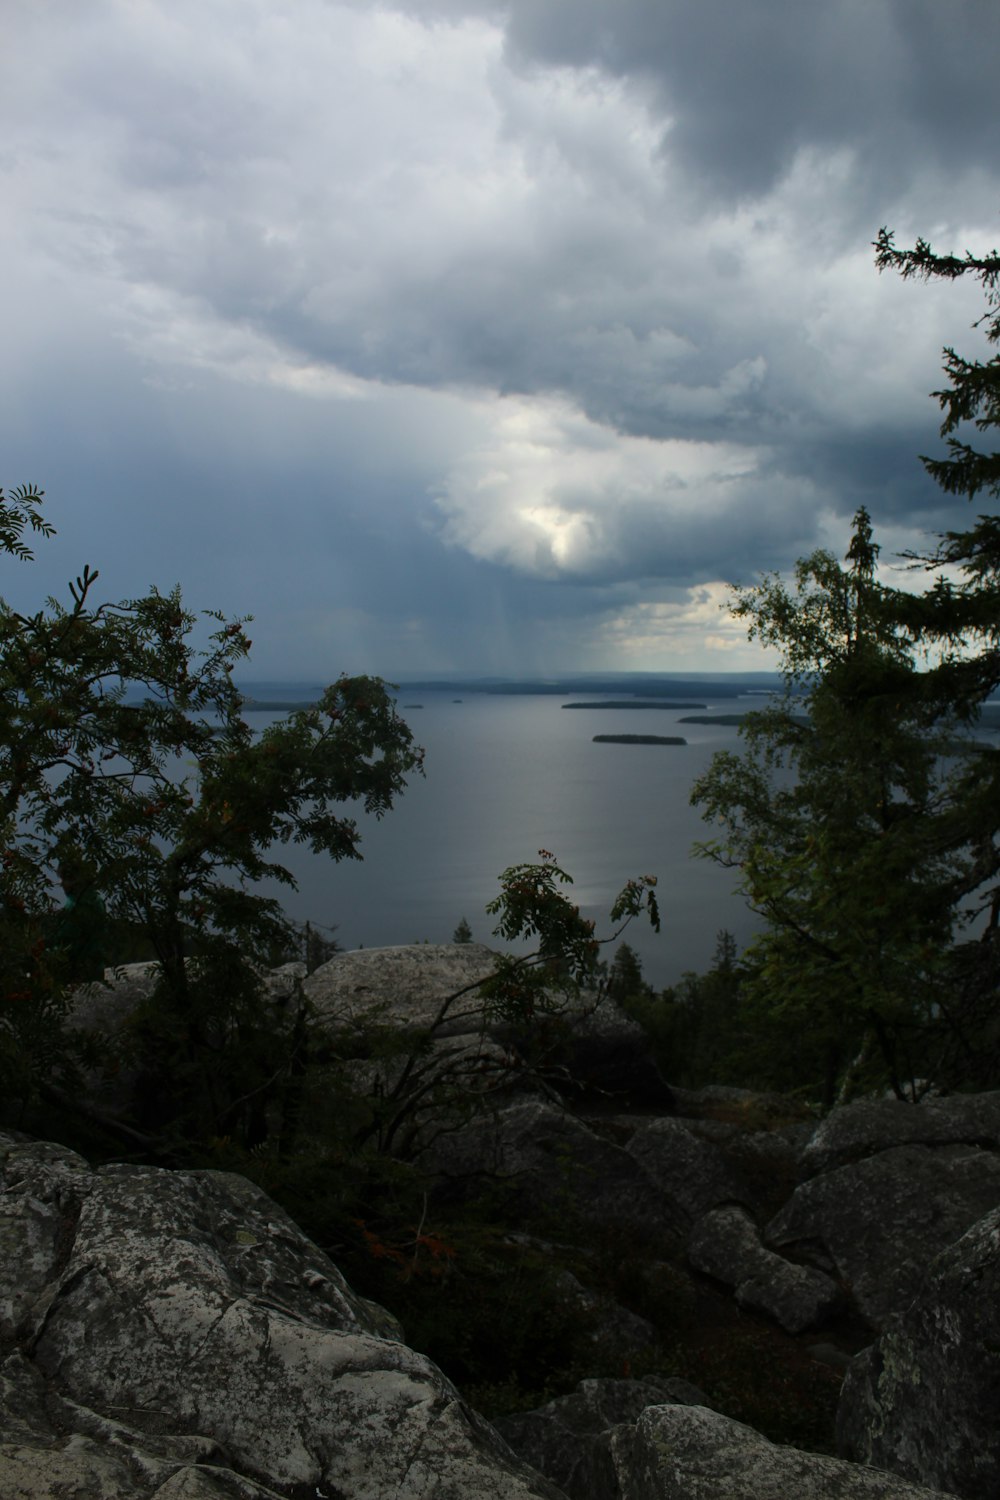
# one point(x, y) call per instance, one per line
point(108, 1007)
point(726, 1244)
point(925, 1399)
point(593, 1053)
point(555, 1166)
point(412, 988)
point(182, 1324)
point(615, 1332)
point(881, 1220)
point(691, 1453)
point(867, 1126)
point(53, 1448)
point(569, 1439)
point(692, 1171)
point(585, 1047)
point(422, 1001)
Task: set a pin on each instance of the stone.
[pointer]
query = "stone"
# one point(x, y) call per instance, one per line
point(726, 1244)
point(615, 1331)
point(568, 1439)
point(882, 1219)
point(409, 987)
point(586, 1048)
point(53, 1447)
point(181, 1325)
point(596, 1054)
point(554, 1166)
point(691, 1453)
point(924, 1399)
point(867, 1126)
point(106, 1007)
point(427, 995)
point(691, 1171)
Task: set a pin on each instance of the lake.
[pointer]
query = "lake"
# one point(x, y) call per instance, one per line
point(507, 776)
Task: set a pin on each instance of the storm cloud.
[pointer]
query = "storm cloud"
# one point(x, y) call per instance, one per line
point(447, 335)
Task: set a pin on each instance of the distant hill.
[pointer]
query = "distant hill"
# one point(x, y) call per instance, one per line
point(276, 696)
point(634, 684)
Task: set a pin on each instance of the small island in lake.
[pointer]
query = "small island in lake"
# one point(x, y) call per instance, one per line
point(714, 718)
point(631, 703)
point(638, 739)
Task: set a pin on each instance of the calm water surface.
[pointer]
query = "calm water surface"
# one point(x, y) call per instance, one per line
point(507, 776)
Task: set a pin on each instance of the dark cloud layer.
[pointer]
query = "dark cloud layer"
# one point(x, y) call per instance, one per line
point(446, 334)
point(908, 83)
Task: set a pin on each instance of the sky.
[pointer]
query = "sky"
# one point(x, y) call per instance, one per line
point(453, 337)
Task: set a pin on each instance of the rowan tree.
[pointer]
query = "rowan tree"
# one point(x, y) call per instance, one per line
point(130, 774)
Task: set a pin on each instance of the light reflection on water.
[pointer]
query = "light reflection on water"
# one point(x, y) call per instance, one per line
point(507, 776)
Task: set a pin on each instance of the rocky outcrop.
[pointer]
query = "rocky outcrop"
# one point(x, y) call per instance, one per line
point(594, 1053)
point(427, 996)
point(411, 988)
point(867, 1126)
point(693, 1172)
point(923, 1400)
point(726, 1244)
point(175, 1334)
point(132, 1300)
point(569, 1439)
point(878, 1222)
point(586, 1048)
point(691, 1453)
point(554, 1167)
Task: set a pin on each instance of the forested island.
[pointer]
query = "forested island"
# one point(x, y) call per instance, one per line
point(728, 719)
point(633, 703)
point(638, 739)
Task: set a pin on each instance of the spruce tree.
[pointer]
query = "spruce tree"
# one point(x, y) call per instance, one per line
point(863, 818)
point(960, 621)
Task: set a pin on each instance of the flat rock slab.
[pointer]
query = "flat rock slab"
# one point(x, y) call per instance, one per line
point(924, 1399)
point(186, 1307)
point(882, 1220)
point(691, 1453)
point(867, 1126)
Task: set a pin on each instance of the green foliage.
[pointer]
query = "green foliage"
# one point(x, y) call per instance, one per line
point(462, 933)
point(973, 395)
point(624, 980)
point(416, 1091)
point(533, 905)
point(19, 511)
point(845, 819)
point(695, 1026)
point(865, 828)
point(124, 754)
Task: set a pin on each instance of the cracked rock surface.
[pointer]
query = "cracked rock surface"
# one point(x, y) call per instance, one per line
point(726, 1244)
point(175, 1334)
point(923, 1400)
point(691, 1453)
point(882, 1220)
